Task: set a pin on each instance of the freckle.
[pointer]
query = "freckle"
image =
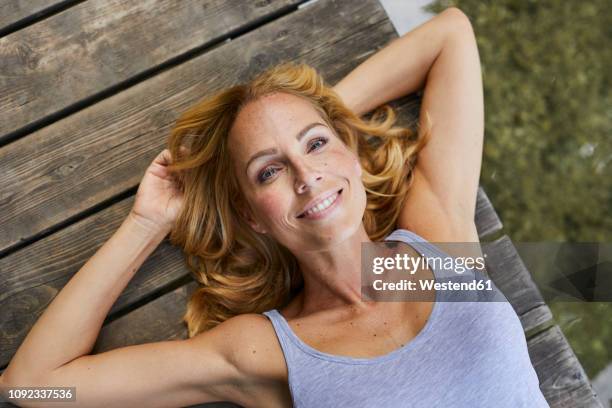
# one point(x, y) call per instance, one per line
point(351, 323)
point(385, 322)
point(254, 352)
point(374, 334)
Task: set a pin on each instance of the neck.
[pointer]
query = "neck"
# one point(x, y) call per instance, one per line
point(332, 277)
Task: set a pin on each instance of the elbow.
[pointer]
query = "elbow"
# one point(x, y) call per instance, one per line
point(8, 381)
point(458, 20)
point(4, 387)
point(24, 371)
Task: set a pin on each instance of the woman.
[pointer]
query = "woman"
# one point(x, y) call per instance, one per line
point(270, 189)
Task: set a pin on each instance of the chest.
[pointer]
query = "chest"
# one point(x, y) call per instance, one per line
point(363, 337)
point(357, 337)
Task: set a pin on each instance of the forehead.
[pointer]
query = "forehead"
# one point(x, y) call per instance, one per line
point(269, 121)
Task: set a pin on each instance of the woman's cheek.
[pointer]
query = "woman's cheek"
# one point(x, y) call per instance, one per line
point(343, 158)
point(355, 165)
point(271, 204)
point(344, 155)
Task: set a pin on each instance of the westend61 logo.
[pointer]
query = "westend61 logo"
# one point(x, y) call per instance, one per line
point(398, 271)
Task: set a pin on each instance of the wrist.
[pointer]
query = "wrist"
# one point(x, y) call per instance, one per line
point(349, 100)
point(147, 227)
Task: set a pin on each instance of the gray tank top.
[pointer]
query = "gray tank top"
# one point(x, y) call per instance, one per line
point(469, 354)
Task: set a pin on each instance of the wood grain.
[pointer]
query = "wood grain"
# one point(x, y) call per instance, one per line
point(562, 379)
point(13, 11)
point(487, 220)
point(158, 320)
point(509, 274)
point(71, 56)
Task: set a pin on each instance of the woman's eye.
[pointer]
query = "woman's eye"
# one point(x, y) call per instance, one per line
point(269, 172)
point(321, 141)
point(266, 174)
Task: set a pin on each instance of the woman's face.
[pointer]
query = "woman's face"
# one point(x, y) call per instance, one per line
point(301, 182)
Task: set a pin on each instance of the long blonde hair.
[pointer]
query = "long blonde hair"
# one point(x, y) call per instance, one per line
point(240, 270)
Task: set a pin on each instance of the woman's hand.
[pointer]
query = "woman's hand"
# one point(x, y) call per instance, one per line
point(159, 198)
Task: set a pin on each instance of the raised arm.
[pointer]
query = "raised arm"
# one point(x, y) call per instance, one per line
point(56, 350)
point(440, 56)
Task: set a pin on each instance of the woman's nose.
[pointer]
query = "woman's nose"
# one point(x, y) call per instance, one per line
point(305, 177)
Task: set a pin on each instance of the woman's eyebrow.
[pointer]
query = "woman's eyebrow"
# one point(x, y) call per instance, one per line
point(273, 150)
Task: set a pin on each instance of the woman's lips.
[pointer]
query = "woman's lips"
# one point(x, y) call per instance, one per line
point(316, 213)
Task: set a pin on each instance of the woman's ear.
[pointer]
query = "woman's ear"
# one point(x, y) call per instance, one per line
point(256, 226)
point(358, 167)
point(247, 215)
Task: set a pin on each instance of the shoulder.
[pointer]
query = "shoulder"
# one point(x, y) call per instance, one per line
point(248, 342)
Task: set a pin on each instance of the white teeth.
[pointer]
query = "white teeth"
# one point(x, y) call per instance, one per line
point(323, 205)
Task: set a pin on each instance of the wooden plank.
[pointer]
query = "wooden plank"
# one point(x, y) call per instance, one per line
point(67, 168)
point(536, 318)
point(14, 11)
point(158, 320)
point(562, 379)
point(32, 277)
point(487, 220)
point(506, 269)
point(70, 56)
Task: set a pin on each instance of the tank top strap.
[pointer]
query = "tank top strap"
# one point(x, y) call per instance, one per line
point(423, 247)
point(446, 274)
point(291, 352)
point(282, 332)
point(428, 250)
point(420, 244)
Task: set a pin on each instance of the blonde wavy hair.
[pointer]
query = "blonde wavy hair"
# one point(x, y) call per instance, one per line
point(242, 271)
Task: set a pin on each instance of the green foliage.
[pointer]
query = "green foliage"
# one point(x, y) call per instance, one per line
point(548, 151)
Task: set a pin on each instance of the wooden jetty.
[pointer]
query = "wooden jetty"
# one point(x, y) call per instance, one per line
point(89, 92)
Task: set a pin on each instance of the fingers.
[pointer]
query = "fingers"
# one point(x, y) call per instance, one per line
point(163, 157)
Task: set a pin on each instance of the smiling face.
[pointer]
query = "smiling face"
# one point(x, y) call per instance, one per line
point(301, 182)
